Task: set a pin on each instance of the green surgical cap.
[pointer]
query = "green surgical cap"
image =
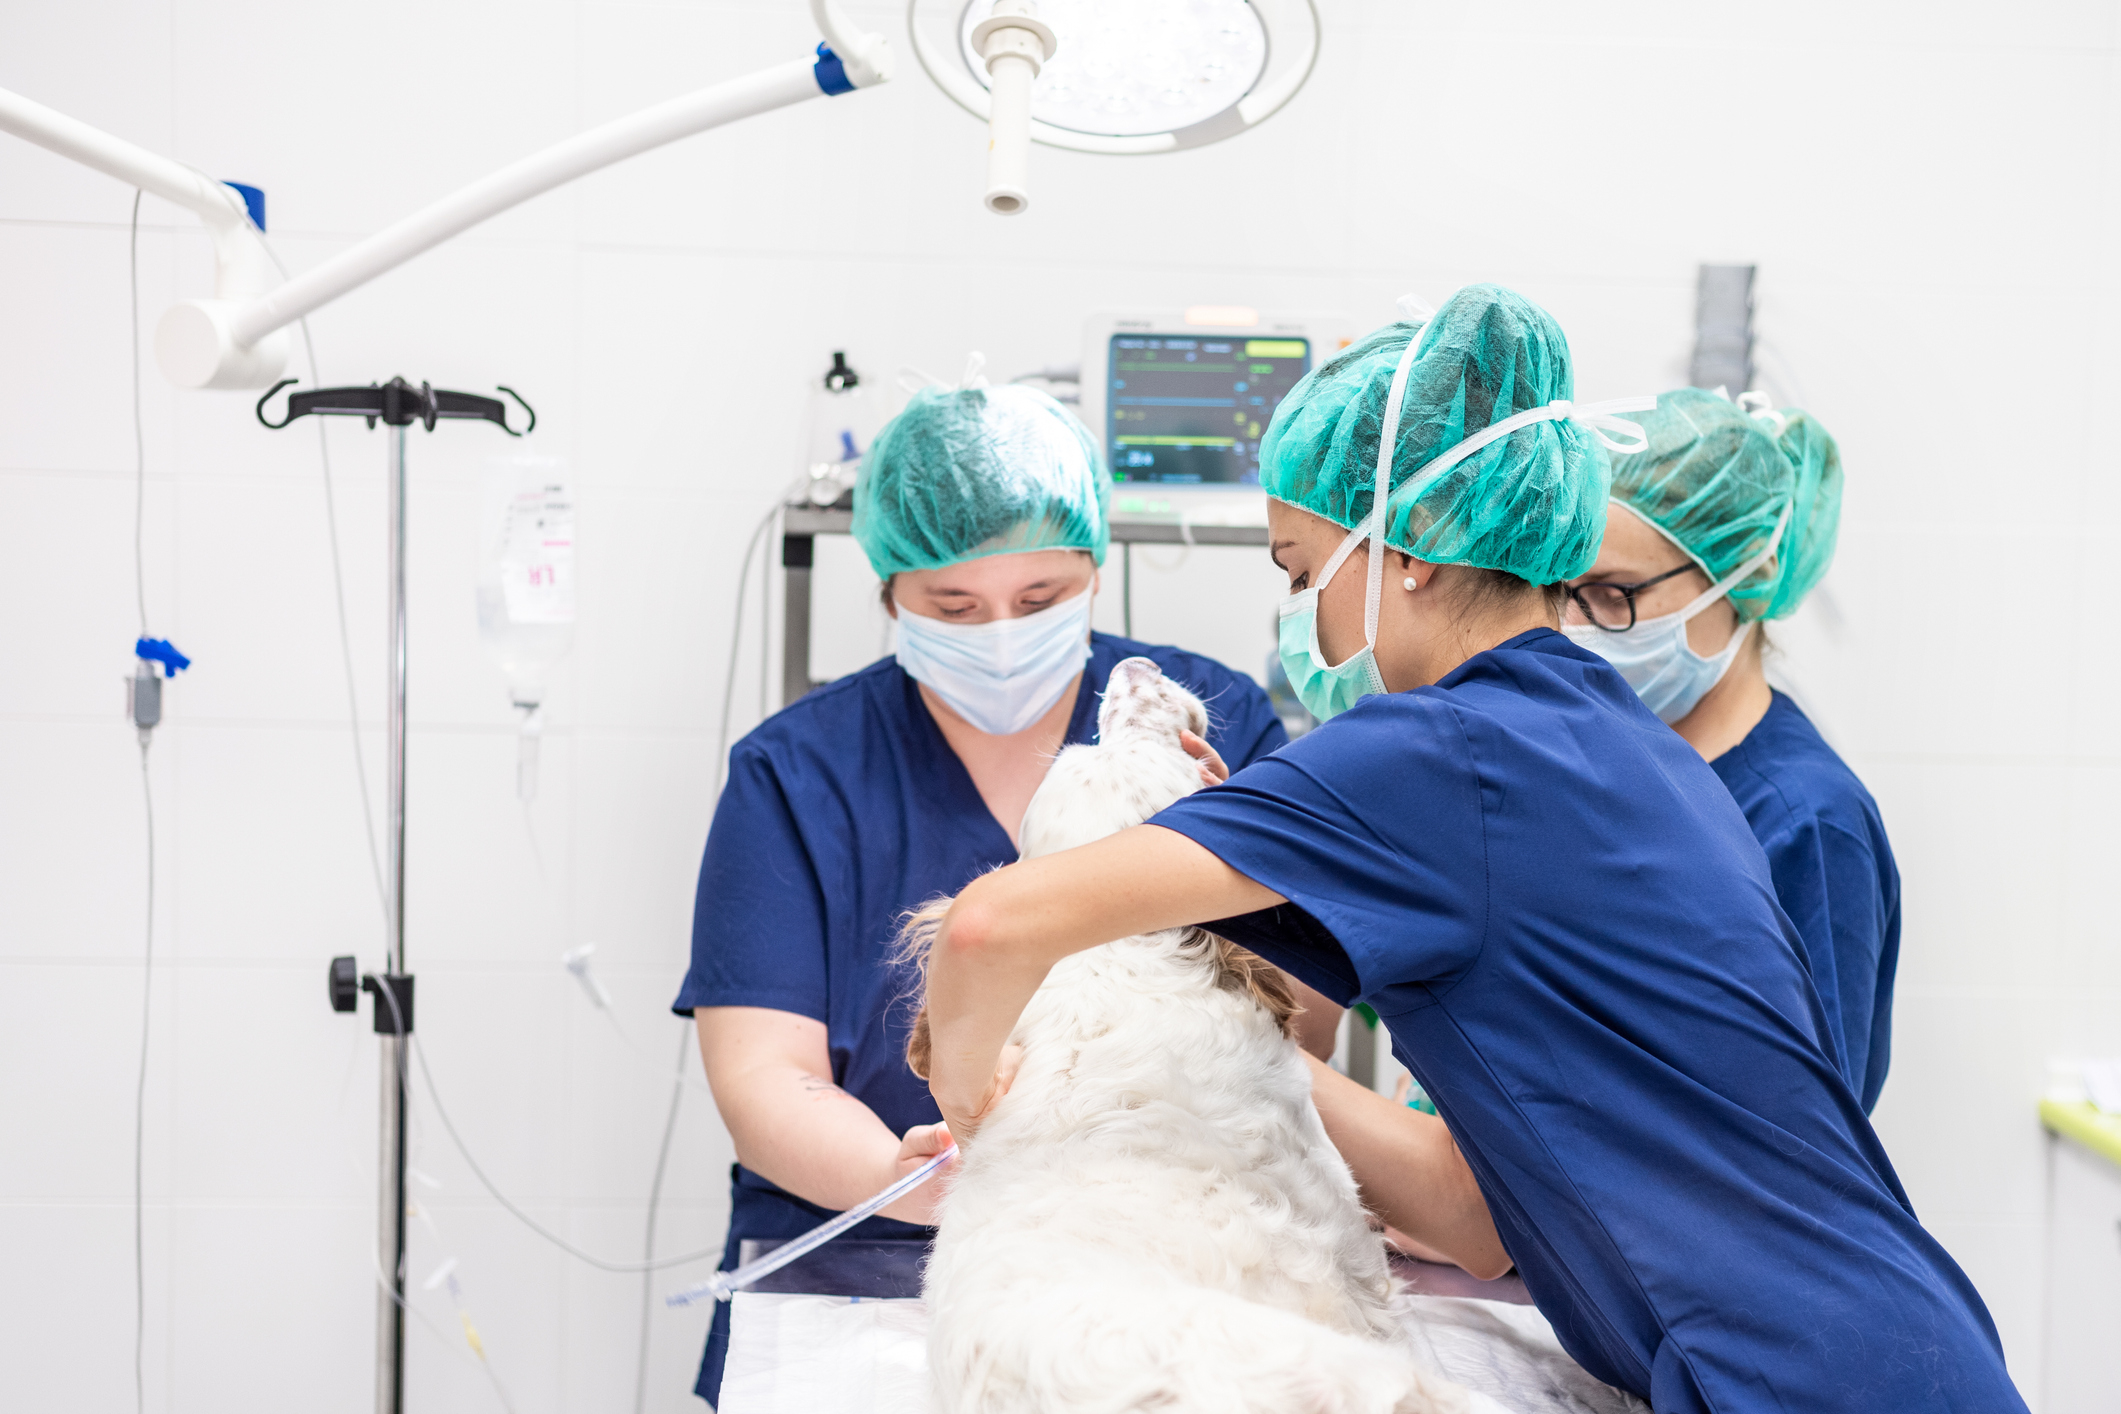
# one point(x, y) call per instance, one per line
point(968, 472)
point(1716, 478)
point(1532, 503)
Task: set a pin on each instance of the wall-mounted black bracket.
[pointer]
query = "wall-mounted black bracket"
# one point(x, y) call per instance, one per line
point(397, 404)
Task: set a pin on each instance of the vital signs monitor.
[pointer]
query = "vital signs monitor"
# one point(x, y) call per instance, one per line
point(1180, 398)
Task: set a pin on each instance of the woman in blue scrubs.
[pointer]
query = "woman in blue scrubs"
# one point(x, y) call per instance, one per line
point(1726, 520)
point(1549, 898)
point(984, 512)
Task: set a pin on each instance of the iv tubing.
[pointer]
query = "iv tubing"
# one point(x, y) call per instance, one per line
point(723, 1285)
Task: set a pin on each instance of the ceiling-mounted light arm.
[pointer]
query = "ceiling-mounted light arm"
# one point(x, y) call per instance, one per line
point(865, 56)
point(199, 337)
point(236, 339)
point(201, 342)
point(241, 267)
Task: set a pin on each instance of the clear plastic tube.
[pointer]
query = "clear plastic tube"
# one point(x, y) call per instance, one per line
point(723, 1285)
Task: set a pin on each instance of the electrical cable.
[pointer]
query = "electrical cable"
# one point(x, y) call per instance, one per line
point(434, 1095)
point(655, 1196)
point(147, 794)
point(147, 972)
point(736, 643)
point(338, 590)
point(139, 430)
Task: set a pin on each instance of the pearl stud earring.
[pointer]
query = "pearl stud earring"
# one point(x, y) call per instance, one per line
point(1410, 584)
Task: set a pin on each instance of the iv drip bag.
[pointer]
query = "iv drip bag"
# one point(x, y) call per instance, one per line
point(526, 588)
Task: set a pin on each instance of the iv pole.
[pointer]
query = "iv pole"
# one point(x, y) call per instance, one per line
point(397, 404)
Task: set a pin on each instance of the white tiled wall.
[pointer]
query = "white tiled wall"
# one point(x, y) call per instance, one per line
point(1926, 189)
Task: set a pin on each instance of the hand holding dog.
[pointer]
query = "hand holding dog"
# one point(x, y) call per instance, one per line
point(1213, 772)
point(965, 1125)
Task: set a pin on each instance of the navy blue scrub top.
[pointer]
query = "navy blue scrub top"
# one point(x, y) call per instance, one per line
point(1560, 914)
point(840, 813)
point(1834, 876)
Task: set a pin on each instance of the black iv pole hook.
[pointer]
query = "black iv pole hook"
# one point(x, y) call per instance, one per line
point(397, 404)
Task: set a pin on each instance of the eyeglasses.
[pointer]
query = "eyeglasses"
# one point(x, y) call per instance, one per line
point(1612, 606)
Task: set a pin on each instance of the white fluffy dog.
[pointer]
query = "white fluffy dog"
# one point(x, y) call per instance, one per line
point(1152, 1217)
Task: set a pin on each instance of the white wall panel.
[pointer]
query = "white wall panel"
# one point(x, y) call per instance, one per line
point(233, 1276)
point(76, 856)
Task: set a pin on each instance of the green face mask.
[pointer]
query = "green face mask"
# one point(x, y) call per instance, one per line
point(1328, 689)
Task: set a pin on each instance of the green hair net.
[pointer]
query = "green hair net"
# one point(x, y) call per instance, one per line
point(1716, 479)
point(968, 472)
point(1532, 502)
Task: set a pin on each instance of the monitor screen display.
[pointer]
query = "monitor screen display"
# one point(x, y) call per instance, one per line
point(1187, 409)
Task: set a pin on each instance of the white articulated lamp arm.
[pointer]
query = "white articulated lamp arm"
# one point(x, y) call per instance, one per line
point(867, 57)
point(131, 164)
point(236, 339)
point(199, 335)
point(242, 267)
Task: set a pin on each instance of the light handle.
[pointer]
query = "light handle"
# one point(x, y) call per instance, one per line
point(1015, 44)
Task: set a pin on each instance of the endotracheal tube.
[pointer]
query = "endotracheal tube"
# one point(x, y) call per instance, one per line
point(526, 589)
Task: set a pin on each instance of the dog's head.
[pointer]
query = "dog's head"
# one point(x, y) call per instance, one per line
point(1140, 703)
point(1136, 768)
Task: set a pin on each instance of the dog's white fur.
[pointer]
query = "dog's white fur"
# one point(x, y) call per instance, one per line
point(1152, 1218)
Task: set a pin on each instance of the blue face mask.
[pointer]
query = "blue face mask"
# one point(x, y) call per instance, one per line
point(1655, 657)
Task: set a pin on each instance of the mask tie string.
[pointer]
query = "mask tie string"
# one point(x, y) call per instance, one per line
point(1599, 417)
point(1758, 405)
point(1739, 576)
point(1380, 498)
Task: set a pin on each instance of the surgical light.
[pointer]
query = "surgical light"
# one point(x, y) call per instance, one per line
point(1127, 77)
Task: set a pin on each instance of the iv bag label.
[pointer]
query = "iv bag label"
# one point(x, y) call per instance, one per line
point(537, 556)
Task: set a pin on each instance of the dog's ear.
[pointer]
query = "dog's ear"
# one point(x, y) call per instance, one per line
point(917, 1044)
point(1241, 971)
point(916, 939)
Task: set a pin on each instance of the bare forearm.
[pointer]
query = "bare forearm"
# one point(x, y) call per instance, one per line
point(770, 1073)
point(976, 992)
point(1411, 1172)
point(1318, 1024)
point(1008, 928)
point(807, 1135)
